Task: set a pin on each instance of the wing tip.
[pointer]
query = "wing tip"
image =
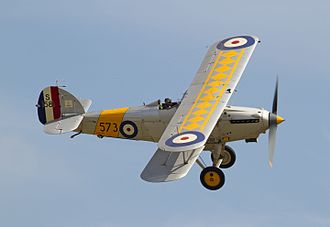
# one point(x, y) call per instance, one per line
point(155, 179)
point(237, 42)
point(161, 178)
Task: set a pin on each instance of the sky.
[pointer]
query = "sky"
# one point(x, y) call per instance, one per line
point(124, 53)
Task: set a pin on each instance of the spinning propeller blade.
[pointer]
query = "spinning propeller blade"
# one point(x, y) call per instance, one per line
point(275, 100)
point(271, 144)
point(274, 120)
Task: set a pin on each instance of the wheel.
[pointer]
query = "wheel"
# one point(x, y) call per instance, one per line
point(212, 178)
point(228, 157)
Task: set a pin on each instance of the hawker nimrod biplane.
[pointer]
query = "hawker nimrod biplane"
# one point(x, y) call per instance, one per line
point(200, 121)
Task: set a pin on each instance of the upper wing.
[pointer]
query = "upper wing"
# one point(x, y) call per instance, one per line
point(208, 94)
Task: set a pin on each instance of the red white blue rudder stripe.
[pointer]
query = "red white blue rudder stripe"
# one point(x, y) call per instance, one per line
point(49, 107)
point(55, 104)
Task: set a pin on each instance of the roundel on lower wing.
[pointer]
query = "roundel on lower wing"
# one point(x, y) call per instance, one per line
point(185, 139)
point(128, 129)
point(236, 43)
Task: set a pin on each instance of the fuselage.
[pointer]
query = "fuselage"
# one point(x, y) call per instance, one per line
point(148, 123)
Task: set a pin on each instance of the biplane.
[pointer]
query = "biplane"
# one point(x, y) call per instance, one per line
point(201, 121)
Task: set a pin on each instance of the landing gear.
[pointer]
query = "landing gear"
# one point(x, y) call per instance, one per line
point(228, 157)
point(212, 178)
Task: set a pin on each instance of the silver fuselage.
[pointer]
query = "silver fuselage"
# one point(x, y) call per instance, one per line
point(235, 123)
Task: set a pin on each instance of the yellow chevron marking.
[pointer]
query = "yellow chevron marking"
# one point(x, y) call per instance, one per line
point(216, 83)
point(230, 54)
point(192, 126)
point(200, 112)
point(223, 89)
point(212, 90)
point(226, 61)
point(204, 105)
point(201, 91)
point(219, 76)
point(196, 119)
point(222, 69)
point(208, 98)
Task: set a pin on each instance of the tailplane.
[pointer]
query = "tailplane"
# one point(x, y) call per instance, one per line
point(60, 111)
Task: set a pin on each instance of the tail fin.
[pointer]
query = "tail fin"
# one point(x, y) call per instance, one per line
point(60, 111)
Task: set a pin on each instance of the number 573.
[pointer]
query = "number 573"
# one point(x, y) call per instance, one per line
point(106, 126)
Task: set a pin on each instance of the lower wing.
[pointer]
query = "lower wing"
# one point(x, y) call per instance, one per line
point(169, 166)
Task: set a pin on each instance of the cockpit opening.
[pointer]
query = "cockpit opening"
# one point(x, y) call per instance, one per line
point(167, 104)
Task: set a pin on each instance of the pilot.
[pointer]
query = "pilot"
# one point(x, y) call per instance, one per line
point(168, 103)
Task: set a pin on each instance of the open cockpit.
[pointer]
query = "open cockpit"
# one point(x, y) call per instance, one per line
point(166, 105)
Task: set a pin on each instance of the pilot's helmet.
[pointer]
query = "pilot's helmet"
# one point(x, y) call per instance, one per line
point(168, 100)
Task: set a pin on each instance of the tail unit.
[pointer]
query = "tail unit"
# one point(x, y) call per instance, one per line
point(60, 111)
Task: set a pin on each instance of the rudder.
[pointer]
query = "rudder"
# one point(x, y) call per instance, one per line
point(56, 105)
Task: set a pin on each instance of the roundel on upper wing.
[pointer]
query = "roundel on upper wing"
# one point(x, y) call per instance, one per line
point(185, 139)
point(128, 129)
point(236, 43)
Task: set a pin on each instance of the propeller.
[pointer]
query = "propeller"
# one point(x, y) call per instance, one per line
point(274, 120)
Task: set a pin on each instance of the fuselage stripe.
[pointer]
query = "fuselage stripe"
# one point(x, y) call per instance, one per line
point(109, 121)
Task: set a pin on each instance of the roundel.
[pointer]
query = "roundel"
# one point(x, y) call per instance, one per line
point(185, 139)
point(128, 129)
point(236, 43)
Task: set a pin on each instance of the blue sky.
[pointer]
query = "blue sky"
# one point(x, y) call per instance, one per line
point(125, 53)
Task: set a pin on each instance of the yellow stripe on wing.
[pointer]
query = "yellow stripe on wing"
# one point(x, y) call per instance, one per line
point(200, 93)
point(224, 89)
point(212, 91)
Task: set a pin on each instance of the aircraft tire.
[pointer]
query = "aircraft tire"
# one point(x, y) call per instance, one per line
point(212, 178)
point(229, 158)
